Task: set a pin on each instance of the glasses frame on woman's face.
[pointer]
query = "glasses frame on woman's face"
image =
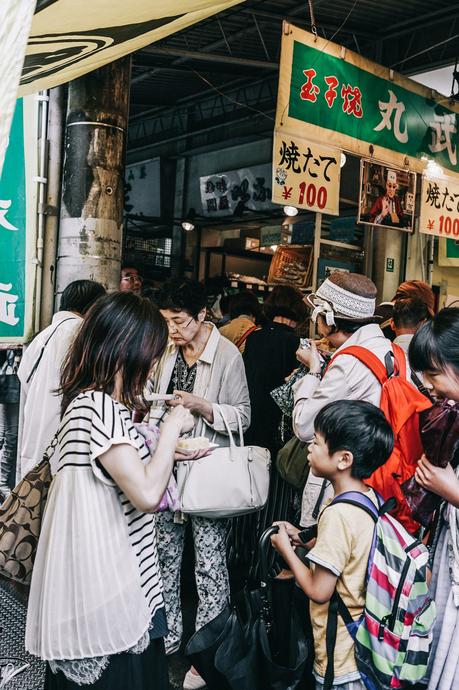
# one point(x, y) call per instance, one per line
point(178, 325)
point(182, 326)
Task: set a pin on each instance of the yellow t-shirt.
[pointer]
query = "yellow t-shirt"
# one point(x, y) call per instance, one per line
point(343, 545)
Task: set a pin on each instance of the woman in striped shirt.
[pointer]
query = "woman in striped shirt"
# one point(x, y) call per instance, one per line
point(96, 611)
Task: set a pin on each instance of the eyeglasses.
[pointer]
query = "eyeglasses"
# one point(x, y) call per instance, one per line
point(178, 326)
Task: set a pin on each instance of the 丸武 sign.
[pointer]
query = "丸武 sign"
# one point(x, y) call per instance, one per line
point(440, 207)
point(18, 216)
point(305, 174)
point(329, 93)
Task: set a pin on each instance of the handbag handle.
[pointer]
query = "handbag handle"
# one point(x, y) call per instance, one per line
point(264, 544)
point(228, 429)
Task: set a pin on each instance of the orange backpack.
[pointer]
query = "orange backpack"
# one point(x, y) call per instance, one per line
point(401, 403)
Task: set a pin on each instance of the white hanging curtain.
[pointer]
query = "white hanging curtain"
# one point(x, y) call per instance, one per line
point(15, 19)
point(69, 39)
point(65, 39)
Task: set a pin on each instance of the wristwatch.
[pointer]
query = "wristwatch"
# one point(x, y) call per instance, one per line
point(317, 374)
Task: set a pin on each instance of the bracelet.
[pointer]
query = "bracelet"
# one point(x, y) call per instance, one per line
point(317, 374)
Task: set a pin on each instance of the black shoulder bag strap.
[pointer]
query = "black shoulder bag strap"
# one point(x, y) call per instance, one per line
point(420, 386)
point(42, 351)
point(320, 498)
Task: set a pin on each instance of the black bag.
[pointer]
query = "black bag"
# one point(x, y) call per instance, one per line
point(10, 389)
point(9, 383)
point(262, 646)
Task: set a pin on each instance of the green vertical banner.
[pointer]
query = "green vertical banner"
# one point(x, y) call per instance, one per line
point(18, 225)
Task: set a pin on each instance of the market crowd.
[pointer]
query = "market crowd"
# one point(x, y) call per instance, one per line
point(123, 391)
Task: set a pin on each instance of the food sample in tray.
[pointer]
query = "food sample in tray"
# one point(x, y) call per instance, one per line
point(196, 443)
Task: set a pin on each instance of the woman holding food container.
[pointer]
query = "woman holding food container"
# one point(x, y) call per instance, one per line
point(95, 609)
point(203, 372)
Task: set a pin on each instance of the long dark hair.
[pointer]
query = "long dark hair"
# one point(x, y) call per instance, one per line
point(435, 345)
point(121, 333)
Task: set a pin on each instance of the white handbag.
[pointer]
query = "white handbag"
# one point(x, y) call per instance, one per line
point(230, 481)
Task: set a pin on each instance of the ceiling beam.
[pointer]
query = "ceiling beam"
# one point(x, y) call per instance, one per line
point(209, 57)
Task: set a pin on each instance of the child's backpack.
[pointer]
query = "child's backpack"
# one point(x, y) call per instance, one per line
point(393, 635)
point(401, 403)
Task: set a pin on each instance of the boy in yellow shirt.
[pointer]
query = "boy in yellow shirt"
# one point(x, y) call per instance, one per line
point(352, 439)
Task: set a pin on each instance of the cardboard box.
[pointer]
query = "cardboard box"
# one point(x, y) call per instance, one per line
point(241, 243)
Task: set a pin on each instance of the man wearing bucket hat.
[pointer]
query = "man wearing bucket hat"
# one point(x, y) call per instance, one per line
point(343, 309)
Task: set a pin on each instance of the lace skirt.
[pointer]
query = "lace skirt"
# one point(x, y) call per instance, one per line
point(146, 671)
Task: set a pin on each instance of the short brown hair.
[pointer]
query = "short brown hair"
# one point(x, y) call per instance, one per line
point(122, 333)
point(286, 301)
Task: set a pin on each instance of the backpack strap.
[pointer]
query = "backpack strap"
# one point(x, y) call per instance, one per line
point(245, 335)
point(394, 361)
point(367, 358)
point(400, 359)
point(335, 607)
point(360, 500)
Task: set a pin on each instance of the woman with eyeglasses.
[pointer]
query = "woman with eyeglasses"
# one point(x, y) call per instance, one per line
point(206, 374)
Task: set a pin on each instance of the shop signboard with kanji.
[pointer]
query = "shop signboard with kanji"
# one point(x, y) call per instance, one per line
point(440, 207)
point(18, 205)
point(305, 174)
point(329, 93)
point(233, 192)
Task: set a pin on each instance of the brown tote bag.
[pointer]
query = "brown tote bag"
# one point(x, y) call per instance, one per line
point(20, 523)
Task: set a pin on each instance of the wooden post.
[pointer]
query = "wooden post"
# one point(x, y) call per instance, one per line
point(90, 238)
point(315, 265)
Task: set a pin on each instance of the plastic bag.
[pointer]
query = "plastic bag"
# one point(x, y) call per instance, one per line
point(440, 436)
point(170, 499)
point(283, 395)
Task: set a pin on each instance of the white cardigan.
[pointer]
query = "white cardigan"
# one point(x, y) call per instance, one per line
point(220, 379)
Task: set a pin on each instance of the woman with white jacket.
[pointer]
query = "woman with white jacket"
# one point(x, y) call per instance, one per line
point(206, 374)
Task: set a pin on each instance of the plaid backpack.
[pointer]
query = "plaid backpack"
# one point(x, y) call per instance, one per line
point(393, 635)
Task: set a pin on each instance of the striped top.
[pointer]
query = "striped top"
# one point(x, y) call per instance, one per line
point(111, 572)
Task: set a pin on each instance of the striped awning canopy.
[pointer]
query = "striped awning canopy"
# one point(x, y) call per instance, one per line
point(68, 38)
point(64, 39)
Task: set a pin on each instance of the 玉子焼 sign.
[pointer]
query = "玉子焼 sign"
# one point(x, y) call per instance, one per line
point(328, 93)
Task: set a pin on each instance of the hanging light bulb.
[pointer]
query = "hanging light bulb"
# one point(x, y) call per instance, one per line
point(187, 226)
point(290, 210)
point(343, 159)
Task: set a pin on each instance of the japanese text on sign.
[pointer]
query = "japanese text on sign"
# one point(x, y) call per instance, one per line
point(305, 174)
point(325, 92)
point(440, 207)
point(236, 191)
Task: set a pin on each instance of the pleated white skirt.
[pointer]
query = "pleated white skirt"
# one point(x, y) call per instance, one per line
point(85, 597)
